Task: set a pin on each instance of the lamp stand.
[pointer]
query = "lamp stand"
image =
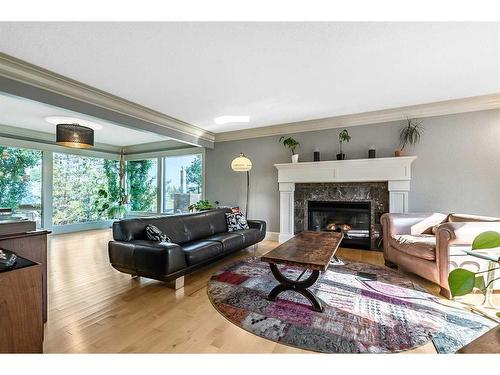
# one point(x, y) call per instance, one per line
point(248, 192)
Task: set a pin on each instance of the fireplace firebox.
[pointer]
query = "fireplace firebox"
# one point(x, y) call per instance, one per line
point(351, 218)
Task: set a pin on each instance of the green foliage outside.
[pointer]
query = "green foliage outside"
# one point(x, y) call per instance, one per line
point(141, 176)
point(85, 188)
point(19, 168)
point(76, 183)
point(111, 168)
point(193, 175)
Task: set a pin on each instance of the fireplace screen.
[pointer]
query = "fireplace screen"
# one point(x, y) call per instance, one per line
point(351, 218)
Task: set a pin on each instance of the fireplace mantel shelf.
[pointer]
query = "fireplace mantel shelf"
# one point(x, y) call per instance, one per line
point(396, 171)
point(356, 170)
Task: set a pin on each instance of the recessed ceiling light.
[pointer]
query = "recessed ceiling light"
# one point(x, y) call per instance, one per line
point(73, 120)
point(227, 119)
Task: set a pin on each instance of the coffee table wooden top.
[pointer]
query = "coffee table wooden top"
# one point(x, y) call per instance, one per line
point(313, 250)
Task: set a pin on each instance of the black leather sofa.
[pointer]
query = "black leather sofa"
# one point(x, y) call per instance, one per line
point(197, 240)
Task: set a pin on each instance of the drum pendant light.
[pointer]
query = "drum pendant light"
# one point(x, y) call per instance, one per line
point(74, 135)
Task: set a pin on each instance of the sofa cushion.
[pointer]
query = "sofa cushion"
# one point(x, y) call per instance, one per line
point(200, 251)
point(230, 241)
point(426, 225)
point(250, 236)
point(418, 245)
point(179, 228)
point(236, 221)
point(156, 235)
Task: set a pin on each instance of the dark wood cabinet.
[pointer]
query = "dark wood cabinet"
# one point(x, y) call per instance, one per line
point(21, 323)
point(31, 245)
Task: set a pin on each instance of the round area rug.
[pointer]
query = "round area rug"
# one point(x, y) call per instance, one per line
point(367, 308)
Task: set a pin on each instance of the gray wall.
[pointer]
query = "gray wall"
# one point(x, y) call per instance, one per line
point(457, 169)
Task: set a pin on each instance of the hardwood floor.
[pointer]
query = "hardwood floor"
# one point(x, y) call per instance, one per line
point(96, 309)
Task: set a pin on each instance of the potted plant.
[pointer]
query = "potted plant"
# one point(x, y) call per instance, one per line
point(113, 209)
point(292, 144)
point(462, 281)
point(201, 205)
point(409, 135)
point(344, 137)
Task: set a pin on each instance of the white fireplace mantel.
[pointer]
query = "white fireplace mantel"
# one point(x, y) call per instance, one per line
point(397, 171)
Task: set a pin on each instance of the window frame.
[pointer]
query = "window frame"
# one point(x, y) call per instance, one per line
point(48, 148)
point(160, 155)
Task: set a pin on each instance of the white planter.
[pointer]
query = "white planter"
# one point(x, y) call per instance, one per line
point(295, 158)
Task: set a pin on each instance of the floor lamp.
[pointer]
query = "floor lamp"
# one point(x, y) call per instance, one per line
point(243, 164)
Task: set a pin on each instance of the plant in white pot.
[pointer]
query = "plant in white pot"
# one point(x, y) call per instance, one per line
point(292, 144)
point(409, 135)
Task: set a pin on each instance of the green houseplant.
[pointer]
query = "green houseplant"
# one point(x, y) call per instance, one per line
point(410, 134)
point(344, 137)
point(462, 281)
point(112, 209)
point(201, 205)
point(292, 144)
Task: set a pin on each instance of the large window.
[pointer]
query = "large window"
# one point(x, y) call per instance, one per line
point(142, 184)
point(85, 191)
point(21, 182)
point(77, 181)
point(183, 182)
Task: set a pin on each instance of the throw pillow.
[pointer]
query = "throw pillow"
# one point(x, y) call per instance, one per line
point(154, 234)
point(236, 221)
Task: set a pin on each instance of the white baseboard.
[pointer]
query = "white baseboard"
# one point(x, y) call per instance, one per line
point(272, 236)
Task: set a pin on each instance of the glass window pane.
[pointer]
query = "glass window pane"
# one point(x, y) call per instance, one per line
point(142, 184)
point(183, 178)
point(77, 181)
point(21, 182)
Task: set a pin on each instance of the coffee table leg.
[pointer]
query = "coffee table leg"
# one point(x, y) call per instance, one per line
point(295, 285)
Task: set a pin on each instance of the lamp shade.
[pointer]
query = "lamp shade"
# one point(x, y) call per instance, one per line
point(241, 164)
point(74, 135)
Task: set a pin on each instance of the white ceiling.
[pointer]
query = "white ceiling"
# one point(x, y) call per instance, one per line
point(273, 72)
point(28, 114)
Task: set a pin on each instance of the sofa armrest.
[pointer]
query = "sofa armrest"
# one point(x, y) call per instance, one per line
point(147, 257)
point(257, 224)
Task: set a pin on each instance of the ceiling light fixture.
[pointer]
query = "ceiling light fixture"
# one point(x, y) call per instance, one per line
point(221, 120)
point(74, 135)
point(55, 120)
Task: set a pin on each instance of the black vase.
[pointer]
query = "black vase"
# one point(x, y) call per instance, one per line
point(341, 156)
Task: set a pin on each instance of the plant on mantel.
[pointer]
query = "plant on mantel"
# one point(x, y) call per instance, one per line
point(344, 137)
point(462, 281)
point(410, 134)
point(291, 144)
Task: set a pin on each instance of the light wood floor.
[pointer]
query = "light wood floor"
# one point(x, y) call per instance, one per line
point(96, 309)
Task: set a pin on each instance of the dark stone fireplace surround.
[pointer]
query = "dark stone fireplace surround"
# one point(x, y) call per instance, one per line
point(376, 193)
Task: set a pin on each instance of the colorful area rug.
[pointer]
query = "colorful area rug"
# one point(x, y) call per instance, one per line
point(367, 309)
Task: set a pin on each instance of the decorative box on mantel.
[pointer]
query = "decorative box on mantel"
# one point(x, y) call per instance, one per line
point(396, 171)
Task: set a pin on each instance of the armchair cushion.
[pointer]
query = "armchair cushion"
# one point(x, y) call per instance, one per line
point(422, 246)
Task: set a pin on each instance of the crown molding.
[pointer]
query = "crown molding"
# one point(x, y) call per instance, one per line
point(13, 69)
point(447, 107)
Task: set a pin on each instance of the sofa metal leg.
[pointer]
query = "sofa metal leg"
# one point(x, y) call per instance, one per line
point(390, 264)
point(177, 283)
point(445, 293)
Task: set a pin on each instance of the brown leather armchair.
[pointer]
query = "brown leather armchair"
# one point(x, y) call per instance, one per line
point(421, 242)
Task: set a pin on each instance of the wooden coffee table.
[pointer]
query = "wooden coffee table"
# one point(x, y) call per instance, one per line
point(309, 250)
